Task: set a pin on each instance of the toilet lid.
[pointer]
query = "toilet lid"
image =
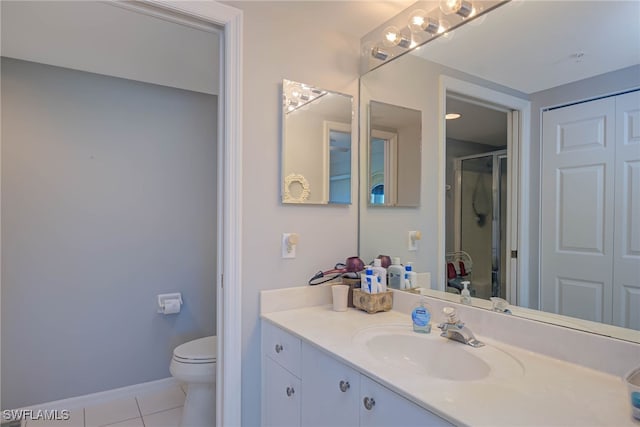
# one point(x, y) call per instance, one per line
point(201, 350)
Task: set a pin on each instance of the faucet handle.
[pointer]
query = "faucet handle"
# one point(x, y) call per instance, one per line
point(500, 305)
point(451, 314)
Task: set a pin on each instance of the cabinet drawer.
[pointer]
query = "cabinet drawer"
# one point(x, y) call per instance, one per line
point(282, 347)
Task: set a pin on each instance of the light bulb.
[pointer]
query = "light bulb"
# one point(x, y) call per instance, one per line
point(461, 7)
point(391, 34)
point(393, 37)
point(416, 21)
point(431, 26)
point(450, 6)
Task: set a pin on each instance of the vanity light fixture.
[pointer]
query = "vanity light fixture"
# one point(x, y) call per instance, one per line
point(298, 94)
point(394, 37)
point(379, 53)
point(461, 7)
point(452, 116)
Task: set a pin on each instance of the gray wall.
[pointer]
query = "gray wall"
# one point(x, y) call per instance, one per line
point(108, 198)
point(602, 85)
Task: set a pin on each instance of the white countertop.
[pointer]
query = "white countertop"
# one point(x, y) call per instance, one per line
point(550, 392)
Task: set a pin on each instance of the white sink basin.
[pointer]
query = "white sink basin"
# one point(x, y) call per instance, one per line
point(400, 348)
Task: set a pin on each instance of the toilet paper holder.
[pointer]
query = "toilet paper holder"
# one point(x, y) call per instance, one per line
point(164, 300)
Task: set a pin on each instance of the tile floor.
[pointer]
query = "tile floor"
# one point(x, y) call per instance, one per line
point(162, 408)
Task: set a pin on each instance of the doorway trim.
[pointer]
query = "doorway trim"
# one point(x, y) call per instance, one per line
point(229, 215)
point(519, 147)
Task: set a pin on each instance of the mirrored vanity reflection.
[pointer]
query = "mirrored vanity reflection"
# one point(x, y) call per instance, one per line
point(394, 155)
point(316, 145)
point(494, 187)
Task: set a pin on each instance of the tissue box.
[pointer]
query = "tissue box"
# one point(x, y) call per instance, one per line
point(372, 303)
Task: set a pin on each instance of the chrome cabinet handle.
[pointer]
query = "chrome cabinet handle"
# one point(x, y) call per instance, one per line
point(369, 403)
point(279, 348)
point(290, 391)
point(344, 386)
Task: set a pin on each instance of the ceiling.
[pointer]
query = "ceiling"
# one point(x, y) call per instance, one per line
point(531, 45)
point(103, 38)
point(477, 123)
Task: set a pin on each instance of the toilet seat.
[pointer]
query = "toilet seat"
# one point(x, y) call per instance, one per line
point(200, 351)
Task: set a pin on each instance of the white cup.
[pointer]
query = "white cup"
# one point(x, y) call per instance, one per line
point(340, 295)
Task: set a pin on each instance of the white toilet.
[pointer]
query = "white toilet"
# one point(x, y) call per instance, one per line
point(194, 363)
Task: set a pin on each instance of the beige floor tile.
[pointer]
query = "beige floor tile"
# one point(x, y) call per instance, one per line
point(111, 412)
point(170, 418)
point(161, 400)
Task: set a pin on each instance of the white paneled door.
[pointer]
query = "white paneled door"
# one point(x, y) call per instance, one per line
point(590, 249)
point(626, 252)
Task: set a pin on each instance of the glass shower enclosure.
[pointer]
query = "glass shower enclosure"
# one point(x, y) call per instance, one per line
point(481, 217)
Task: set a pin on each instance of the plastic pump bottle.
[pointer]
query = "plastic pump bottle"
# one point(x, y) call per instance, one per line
point(396, 273)
point(421, 316)
point(371, 285)
point(410, 277)
point(381, 273)
point(465, 295)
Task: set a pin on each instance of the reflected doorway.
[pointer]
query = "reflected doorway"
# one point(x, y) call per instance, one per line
point(476, 196)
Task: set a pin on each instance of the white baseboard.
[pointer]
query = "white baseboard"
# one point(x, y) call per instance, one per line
point(103, 396)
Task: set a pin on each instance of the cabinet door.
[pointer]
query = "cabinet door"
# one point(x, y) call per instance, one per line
point(380, 406)
point(330, 390)
point(281, 394)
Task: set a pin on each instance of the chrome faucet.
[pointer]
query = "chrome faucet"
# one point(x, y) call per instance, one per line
point(454, 329)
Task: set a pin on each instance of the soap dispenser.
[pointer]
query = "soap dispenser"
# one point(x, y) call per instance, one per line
point(465, 295)
point(421, 316)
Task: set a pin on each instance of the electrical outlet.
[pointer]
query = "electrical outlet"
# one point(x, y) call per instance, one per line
point(414, 237)
point(289, 244)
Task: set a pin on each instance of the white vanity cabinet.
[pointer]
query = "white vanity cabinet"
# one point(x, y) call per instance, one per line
point(281, 388)
point(308, 387)
point(331, 390)
point(380, 406)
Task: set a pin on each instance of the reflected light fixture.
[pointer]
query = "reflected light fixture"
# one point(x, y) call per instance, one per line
point(393, 37)
point(461, 7)
point(297, 94)
point(379, 53)
point(419, 21)
point(452, 116)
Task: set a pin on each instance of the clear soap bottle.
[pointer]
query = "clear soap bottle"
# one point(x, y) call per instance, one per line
point(465, 295)
point(421, 316)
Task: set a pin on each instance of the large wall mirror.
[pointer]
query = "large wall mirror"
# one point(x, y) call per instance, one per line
point(316, 145)
point(394, 155)
point(488, 178)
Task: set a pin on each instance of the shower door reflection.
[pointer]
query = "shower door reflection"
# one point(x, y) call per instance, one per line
point(480, 219)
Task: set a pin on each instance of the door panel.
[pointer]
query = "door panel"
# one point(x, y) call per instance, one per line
point(626, 278)
point(580, 214)
point(577, 197)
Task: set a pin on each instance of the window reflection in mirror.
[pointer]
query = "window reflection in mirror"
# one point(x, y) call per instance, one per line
point(316, 145)
point(394, 155)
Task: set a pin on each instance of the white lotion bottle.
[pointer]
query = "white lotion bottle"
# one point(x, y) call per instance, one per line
point(381, 273)
point(372, 281)
point(396, 273)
